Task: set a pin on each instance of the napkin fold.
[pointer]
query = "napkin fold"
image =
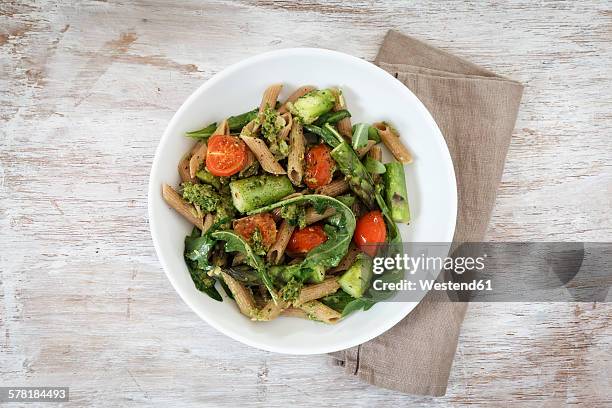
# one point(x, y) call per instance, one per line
point(476, 111)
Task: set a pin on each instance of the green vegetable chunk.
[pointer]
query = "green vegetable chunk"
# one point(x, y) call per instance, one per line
point(360, 135)
point(372, 133)
point(356, 279)
point(312, 105)
point(396, 194)
point(271, 126)
point(373, 166)
point(325, 134)
point(357, 176)
point(203, 195)
point(332, 117)
point(257, 191)
point(206, 177)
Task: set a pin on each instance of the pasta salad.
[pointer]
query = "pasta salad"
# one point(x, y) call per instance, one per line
point(289, 202)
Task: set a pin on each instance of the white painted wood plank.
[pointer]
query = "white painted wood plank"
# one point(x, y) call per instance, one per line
point(85, 93)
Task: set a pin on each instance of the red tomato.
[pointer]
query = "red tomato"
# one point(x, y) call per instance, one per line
point(369, 232)
point(246, 226)
point(319, 166)
point(226, 156)
point(304, 240)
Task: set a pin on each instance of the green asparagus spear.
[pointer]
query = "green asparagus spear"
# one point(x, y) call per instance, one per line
point(357, 176)
point(332, 117)
point(396, 194)
point(257, 191)
point(324, 133)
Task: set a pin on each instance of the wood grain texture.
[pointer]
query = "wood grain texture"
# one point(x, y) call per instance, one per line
point(86, 91)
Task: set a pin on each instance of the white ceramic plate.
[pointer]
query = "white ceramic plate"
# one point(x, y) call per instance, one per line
point(372, 95)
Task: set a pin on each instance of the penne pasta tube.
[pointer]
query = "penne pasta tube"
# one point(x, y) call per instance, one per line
point(276, 213)
point(250, 128)
point(294, 312)
point(284, 132)
point(263, 155)
point(271, 310)
point(345, 128)
point(183, 169)
point(301, 91)
point(222, 128)
point(209, 220)
point(317, 291)
point(313, 216)
point(295, 161)
point(318, 311)
point(243, 296)
point(364, 150)
point(335, 188)
point(181, 206)
point(391, 139)
point(198, 158)
point(376, 154)
point(270, 96)
point(277, 250)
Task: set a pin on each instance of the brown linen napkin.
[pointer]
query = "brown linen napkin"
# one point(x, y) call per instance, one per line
point(476, 111)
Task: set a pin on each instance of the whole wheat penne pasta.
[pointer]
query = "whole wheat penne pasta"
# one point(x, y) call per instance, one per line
point(376, 154)
point(270, 96)
point(313, 216)
point(181, 206)
point(344, 125)
point(209, 220)
point(263, 155)
point(317, 291)
point(318, 311)
point(391, 139)
point(284, 132)
point(222, 128)
point(239, 259)
point(243, 296)
point(347, 261)
point(276, 213)
point(183, 169)
point(364, 150)
point(277, 250)
point(271, 310)
point(335, 188)
point(294, 312)
point(198, 158)
point(251, 128)
point(295, 161)
point(301, 91)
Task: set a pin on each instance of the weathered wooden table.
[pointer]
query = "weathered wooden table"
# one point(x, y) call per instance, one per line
point(86, 91)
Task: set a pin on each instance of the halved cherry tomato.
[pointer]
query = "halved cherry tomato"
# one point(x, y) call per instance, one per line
point(246, 226)
point(226, 156)
point(370, 232)
point(304, 240)
point(319, 166)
